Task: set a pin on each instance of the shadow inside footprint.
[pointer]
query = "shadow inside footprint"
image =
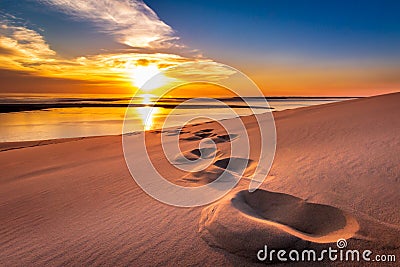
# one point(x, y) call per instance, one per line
point(225, 138)
point(192, 138)
point(309, 218)
point(204, 153)
point(200, 135)
point(235, 164)
point(203, 135)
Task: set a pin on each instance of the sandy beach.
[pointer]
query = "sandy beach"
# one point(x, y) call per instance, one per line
point(336, 174)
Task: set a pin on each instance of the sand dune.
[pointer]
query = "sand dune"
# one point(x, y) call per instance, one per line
point(335, 174)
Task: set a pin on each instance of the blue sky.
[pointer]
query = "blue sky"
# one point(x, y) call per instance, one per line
point(325, 30)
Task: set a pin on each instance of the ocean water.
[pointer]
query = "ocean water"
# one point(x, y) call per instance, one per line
point(42, 117)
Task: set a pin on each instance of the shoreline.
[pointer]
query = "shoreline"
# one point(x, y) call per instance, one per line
point(5, 146)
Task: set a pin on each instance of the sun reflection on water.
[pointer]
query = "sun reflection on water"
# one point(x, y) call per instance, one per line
point(148, 115)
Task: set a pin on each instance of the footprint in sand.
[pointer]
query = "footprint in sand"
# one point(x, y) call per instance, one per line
point(209, 175)
point(208, 133)
point(243, 222)
point(205, 152)
point(215, 172)
point(224, 138)
point(195, 154)
point(235, 164)
point(221, 169)
point(199, 135)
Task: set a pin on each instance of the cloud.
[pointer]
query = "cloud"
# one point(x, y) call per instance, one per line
point(142, 62)
point(206, 71)
point(23, 47)
point(131, 21)
point(122, 64)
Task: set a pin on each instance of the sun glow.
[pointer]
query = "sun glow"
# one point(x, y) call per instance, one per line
point(148, 78)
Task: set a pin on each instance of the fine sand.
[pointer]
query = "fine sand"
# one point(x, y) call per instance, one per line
point(336, 174)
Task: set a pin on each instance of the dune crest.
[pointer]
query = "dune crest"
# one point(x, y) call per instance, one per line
point(244, 222)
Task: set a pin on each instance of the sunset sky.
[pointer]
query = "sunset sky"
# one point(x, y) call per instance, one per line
point(292, 48)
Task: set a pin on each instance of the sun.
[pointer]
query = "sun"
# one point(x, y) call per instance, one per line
point(148, 78)
point(141, 74)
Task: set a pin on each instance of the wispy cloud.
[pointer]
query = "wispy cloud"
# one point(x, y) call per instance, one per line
point(132, 22)
point(25, 49)
point(22, 47)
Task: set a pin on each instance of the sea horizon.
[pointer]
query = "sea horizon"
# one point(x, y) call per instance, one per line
point(37, 117)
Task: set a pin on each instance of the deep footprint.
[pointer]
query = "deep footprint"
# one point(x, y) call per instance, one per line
point(244, 222)
point(205, 152)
